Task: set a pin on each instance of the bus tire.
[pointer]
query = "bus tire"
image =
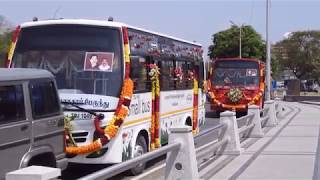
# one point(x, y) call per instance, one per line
point(139, 149)
point(217, 114)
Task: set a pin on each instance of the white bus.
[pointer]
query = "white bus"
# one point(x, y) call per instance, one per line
point(93, 62)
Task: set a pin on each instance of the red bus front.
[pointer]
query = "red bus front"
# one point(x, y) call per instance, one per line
point(236, 83)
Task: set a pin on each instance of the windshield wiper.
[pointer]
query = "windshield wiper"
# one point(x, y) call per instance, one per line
point(76, 105)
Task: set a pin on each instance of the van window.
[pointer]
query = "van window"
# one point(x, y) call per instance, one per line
point(11, 104)
point(44, 99)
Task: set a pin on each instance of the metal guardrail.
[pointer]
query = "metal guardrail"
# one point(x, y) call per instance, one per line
point(124, 166)
point(181, 162)
point(247, 117)
point(212, 147)
point(121, 167)
point(208, 131)
point(208, 149)
point(244, 129)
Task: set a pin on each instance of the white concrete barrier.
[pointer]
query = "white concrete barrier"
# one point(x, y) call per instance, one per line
point(279, 107)
point(233, 147)
point(181, 164)
point(34, 173)
point(272, 121)
point(256, 132)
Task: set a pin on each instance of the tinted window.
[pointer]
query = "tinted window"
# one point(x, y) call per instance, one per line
point(11, 104)
point(201, 74)
point(236, 64)
point(167, 77)
point(190, 74)
point(139, 74)
point(44, 99)
point(238, 73)
point(180, 74)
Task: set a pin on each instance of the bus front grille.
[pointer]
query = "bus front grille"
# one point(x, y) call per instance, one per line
point(80, 137)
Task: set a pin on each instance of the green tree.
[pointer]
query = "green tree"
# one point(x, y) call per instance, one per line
point(226, 43)
point(300, 52)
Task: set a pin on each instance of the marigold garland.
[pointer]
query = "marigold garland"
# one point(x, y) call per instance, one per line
point(155, 118)
point(195, 107)
point(96, 145)
point(112, 127)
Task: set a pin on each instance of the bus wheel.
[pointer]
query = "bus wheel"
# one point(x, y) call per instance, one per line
point(139, 149)
point(217, 114)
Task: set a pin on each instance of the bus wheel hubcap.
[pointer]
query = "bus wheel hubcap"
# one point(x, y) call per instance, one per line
point(138, 151)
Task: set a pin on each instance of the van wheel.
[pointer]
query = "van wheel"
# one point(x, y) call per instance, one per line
point(46, 159)
point(139, 149)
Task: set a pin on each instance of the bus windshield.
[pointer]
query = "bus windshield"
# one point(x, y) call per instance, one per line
point(236, 73)
point(84, 59)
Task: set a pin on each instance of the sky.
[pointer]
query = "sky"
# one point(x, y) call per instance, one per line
point(193, 20)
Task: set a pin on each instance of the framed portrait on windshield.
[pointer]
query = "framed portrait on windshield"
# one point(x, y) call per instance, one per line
point(98, 61)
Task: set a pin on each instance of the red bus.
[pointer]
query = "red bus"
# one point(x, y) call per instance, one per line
point(235, 83)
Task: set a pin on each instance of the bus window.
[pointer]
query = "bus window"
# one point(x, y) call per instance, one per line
point(190, 71)
point(180, 75)
point(139, 73)
point(167, 75)
point(201, 74)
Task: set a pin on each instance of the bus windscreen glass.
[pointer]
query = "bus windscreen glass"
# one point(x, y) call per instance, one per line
point(84, 59)
point(236, 73)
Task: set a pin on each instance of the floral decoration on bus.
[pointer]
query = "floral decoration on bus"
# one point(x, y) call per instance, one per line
point(155, 120)
point(178, 73)
point(235, 95)
point(113, 126)
point(122, 111)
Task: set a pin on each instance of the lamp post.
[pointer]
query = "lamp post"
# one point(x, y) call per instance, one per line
point(240, 37)
point(268, 66)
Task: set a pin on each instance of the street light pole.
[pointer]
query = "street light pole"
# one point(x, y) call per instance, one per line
point(240, 37)
point(240, 41)
point(268, 66)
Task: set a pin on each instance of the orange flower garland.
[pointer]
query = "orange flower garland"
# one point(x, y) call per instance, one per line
point(96, 145)
point(195, 107)
point(120, 114)
point(112, 127)
point(155, 120)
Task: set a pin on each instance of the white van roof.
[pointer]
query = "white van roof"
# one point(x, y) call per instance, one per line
point(15, 74)
point(98, 23)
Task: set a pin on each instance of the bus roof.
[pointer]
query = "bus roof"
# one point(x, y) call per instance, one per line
point(98, 23)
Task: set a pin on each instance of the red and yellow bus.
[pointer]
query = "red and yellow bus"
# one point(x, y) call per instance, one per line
point(236, 83)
